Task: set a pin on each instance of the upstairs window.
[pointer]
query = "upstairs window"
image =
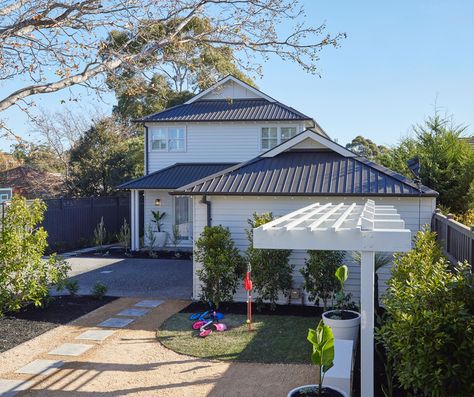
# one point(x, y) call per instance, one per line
point(172, 139)
point(273, 136)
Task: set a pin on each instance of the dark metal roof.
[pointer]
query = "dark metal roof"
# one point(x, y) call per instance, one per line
point(307, 173)
point(228, 110)
point(175, 176)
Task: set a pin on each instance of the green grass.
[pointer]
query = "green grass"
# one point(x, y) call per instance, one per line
point(275, 339)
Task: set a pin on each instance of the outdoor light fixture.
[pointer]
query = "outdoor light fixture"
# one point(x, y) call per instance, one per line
point(157, 202)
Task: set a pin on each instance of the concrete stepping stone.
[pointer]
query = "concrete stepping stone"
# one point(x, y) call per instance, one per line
point(41, 367)
point(70, 349)
point(149, 303)
point(116, 322)
point(133, 312)
point(8, 388)
point(95, 334)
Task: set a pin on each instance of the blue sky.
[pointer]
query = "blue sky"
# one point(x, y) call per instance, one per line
point(398, 60)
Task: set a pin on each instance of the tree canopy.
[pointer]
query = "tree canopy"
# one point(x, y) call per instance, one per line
point(104, 157)
point(52, 45)
point(446, 160)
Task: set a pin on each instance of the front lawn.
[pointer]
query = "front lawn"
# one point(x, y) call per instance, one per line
point(275, 339)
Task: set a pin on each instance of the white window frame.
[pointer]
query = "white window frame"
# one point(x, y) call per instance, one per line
point(279, 140)
point(167, 139)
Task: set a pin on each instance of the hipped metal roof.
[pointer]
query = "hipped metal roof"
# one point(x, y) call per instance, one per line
point(307, 172)
point(228, 110)
point(175, 176)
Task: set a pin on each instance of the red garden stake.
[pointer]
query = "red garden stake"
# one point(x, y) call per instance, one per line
point(248, 287)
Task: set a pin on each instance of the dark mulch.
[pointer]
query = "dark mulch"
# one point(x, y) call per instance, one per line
point(16, 328)
point(120, 253)
point(241, 308)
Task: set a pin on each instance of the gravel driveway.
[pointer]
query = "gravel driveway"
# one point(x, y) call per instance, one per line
point(159, 278)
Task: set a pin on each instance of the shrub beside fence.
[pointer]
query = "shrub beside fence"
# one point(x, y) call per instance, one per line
point(70, 223)
point(456, 239)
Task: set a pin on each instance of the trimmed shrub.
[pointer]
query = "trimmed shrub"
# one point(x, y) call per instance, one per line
point(222, 265)
point(319, 273)
point(271, 271)
point(99, 290)
point(25, 277)
point(428, 333)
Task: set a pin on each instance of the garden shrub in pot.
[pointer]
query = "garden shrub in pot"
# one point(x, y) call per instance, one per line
point(271, 270)
point(428, 331)
point(322, 355)
point(344, 322)
point(222, 266)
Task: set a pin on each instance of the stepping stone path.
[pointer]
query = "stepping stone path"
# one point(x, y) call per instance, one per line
point(70, 349)
point(114, 322)
point(97, 335)
point(8, 387)
point(41, 367)
point(149, 303)
point(133, 312)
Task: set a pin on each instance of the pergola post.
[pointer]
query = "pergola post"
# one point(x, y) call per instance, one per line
point(134, 220)
point(367, 279)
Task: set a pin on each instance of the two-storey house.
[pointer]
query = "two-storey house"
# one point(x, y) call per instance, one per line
point(232, 150)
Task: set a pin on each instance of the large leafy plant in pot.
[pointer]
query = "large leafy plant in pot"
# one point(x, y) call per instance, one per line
point(160, 235)
point(322, 341)
point(343, 321)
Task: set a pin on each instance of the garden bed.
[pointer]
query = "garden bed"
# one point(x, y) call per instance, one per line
point(16, 328)
point(120, 253)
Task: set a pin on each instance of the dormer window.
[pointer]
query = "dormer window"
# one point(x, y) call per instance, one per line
point(273, 136)
point(172, 139)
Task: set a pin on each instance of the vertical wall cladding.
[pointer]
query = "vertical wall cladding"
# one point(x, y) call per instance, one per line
point(233, 213)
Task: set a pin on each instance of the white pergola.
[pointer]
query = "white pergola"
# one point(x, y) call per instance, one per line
point(344, 227)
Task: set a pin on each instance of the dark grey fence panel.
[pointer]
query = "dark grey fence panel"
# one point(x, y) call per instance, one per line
point(456, 239)
point(70, 223)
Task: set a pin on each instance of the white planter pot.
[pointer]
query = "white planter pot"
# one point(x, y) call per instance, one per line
point(161, 238)
point(296, 389)
point(344, 329)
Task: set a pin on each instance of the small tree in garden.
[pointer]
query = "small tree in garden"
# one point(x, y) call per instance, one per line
point(222, 265)
point(151, 240)
point(100, 233)
point(271, 271)
point(25, 277)
point(428, 333)
point(319, 275)
point(158, 219)
point(124, 235)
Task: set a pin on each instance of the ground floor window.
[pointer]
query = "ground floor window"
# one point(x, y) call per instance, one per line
point(183, 216)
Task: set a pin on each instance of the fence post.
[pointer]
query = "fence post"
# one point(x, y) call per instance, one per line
point(448, 242)
point(472, 246)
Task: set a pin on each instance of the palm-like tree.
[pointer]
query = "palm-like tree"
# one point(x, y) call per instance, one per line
point(381, 259)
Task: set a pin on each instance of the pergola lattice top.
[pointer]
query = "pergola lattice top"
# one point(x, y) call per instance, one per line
point(340, 226)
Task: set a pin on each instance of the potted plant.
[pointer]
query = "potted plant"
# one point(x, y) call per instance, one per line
point(161, 236)
point(343, 322)
point(322, 340)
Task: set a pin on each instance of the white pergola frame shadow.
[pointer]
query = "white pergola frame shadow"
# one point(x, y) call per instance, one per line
point(344, 227)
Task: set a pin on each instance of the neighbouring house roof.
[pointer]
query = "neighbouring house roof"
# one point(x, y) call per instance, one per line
point(307, 172)
point(469, 140)
point(177, 175)
point(31, 183)
point(228, 110)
